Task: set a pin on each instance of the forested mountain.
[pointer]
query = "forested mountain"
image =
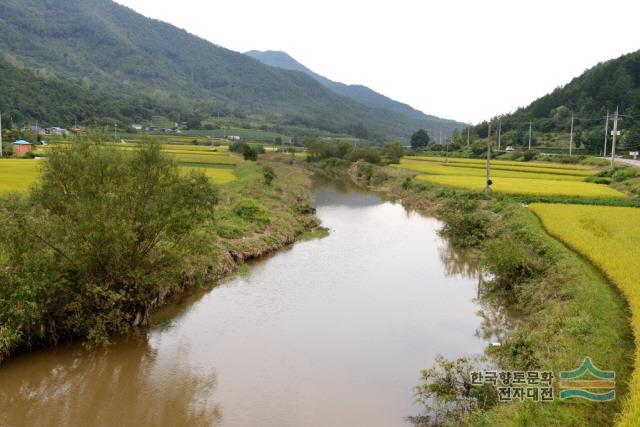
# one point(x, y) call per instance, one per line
point(25, 96)
point(359, 93)
point(589, 97)
point(128, 65)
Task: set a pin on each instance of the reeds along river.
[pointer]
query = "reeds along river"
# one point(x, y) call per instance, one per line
point(331, 332)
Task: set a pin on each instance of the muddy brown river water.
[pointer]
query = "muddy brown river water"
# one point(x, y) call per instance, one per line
point(330, 332)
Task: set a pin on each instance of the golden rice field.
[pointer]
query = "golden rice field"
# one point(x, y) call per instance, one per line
point(216, 175)
point(17, 175)
point(510, 177)
point(432, 168)
point(610, 238)
point(526, 186)
point(203, 158)
point(545, 165)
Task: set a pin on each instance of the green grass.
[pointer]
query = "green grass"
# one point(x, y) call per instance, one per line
point(610, 238)
point(525, 186)
point(17, 175)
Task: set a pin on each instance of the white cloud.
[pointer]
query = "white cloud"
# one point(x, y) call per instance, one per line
point(467, 60)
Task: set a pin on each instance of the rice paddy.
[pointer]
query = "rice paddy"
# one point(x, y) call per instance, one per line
point(511, 177)
point(431, 168)
point(203, 158)
point(17, 175)
point(608, 237)
point(525, 186)
point(545, 165)
point(216, 175)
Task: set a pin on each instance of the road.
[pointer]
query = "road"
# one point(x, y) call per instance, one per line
point(635, 163)
point(630, 162)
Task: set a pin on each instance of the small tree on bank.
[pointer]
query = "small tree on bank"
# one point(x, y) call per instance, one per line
point(103, 235)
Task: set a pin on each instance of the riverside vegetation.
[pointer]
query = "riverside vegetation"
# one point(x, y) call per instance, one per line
point(106, 236)
point(95, 264)
point(562, 308)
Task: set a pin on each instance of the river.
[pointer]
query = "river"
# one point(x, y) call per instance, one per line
point(329, 332)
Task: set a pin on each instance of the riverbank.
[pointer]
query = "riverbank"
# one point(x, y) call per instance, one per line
point(563, 308)
point(254, 219)
point(55, 292)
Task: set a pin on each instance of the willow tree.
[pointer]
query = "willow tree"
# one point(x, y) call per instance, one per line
point(102, 237)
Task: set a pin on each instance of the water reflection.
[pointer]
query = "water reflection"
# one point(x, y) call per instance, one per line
point(123, 385)
point(497, 320)
point(458, 262)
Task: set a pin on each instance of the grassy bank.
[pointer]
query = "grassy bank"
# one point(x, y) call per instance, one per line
point(561, 308)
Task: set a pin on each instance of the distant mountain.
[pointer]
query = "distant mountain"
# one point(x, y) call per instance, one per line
point(131, 66)
point(358, 93)
point(599, 89)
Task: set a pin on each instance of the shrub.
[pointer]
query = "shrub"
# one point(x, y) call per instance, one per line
point(465, 223)
point(448, 395)
point(364, 171)
point(599, 179)
point(249, 153)
point(251, 211)
point(269, 174)
point(516, 256)
point(624, 173)
point(369, 155)
point(479, 148)
point(92, 247)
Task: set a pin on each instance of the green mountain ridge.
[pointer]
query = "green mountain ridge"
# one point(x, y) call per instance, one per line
point(120, 57)
point(600, 89)
point(358, 93)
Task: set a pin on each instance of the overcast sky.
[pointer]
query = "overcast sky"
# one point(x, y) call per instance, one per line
point(466, 60)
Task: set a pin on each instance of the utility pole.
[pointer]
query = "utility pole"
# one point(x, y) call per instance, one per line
point(499, 131)
point(571, 137)
point(115, 132)
point(446, 156)
point(487, 187)
point(529, 134)
point(614, 133)
point(468, 134)
point(489, 132)
point(606, 134)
